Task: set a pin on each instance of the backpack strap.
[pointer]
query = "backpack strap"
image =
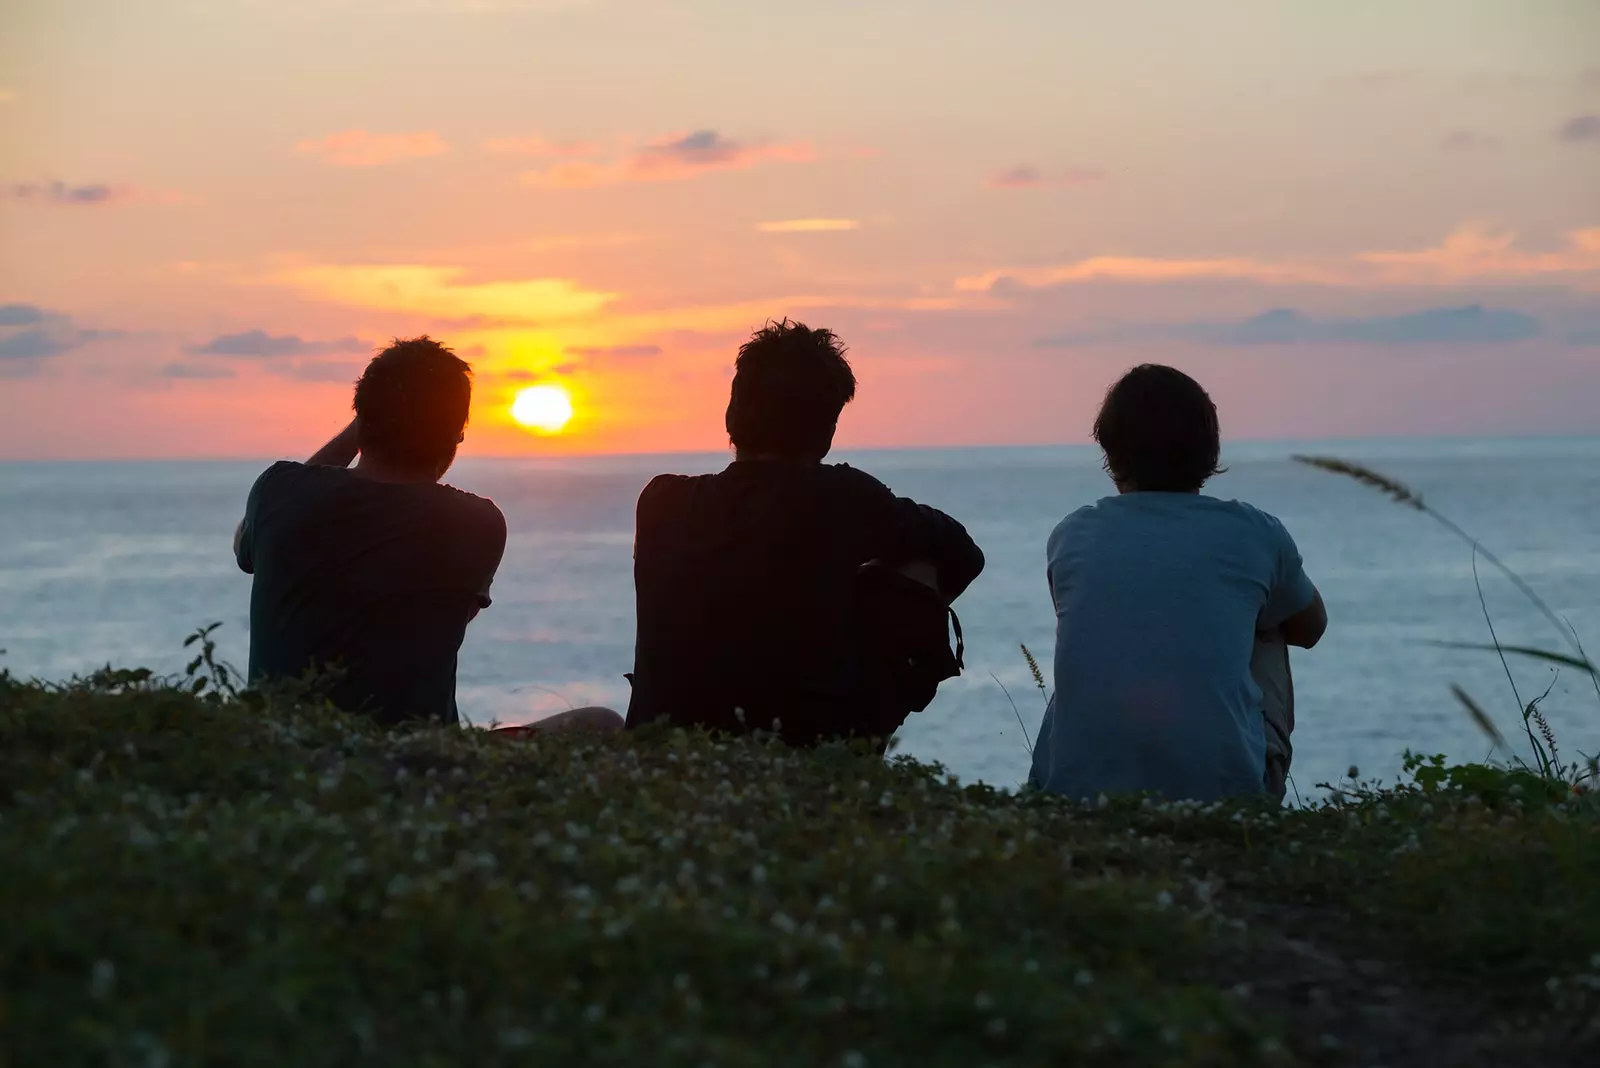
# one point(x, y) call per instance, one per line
point(961, 644)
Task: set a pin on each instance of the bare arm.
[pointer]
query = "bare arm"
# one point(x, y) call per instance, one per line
point(339, 451)
point(1306, 627)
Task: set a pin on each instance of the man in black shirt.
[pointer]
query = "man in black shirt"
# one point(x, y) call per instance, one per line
point(747, 581)
point(372, 573)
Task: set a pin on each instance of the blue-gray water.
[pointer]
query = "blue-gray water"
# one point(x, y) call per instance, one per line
point(119, 561)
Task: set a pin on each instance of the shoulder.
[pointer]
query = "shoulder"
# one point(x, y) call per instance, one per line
point(479, 514)
point(284, 471)
point(1255, 518)
point(851, 479)
point(664, 488)
point(1076, 524)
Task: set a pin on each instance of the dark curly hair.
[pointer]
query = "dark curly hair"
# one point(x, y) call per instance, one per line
point(411, 404)
point(1158, 428)
point(790, 383)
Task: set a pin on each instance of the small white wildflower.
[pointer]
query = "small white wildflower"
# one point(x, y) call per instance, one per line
point(758, 874)
point(852, 1059)
point(594, 1013)
point(983, 1001)
point(516, 1038)
point(1102, 801)
point(1030, 965)
point(102, 979)
point(316, 895)
point(1083, 977)
point(996, 1028)
point(1164, 900)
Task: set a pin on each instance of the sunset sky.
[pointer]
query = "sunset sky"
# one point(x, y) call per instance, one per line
point(1347, 219)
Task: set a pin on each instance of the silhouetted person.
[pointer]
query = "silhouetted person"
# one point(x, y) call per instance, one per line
point(1174, 611)
point(375, 571)
point(749, 582)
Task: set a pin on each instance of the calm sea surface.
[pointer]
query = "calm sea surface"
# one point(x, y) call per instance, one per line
point(119, 561)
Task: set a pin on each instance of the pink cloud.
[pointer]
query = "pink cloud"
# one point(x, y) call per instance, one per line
point(677, 157)
point(1021, 177)
point(91, 194)
point(1027, 176)
point(1477, 252)
point(540, 147)
point(362, 148)
point(1472, 253)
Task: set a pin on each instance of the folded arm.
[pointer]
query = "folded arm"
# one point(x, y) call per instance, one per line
point(900, 531)
point(1306, 627)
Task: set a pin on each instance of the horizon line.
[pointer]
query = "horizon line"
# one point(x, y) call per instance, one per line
point(987, 446)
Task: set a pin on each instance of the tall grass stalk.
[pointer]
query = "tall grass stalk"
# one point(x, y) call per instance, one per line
point(1541, 738)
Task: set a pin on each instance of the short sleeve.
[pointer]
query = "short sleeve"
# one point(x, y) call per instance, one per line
point(244, 551)
point(494, 550)
point(1291, 591)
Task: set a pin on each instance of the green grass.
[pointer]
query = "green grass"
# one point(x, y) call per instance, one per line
point(189, 881)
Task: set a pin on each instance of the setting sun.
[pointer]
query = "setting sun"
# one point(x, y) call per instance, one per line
point(546, 409)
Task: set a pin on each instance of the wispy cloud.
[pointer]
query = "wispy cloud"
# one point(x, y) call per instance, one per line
point(30, 335)
point(21, 315)
point(1469, 325)
point(807, 226)
point(1468, 141)
point(259, 343)
point(541, 147)
point(65, 193)
point(443, 292)
point(363, 148)
point(1480, 253)
point(1472, 253)
point(196, 370)
point(677, 157)
point(1025, 176)
point(1140, 269)
point(1580, 129)
point(623, 351)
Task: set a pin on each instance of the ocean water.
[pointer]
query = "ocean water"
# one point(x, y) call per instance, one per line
point(117, 562)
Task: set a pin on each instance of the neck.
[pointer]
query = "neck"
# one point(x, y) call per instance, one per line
point(379, 471)
point(742, 456)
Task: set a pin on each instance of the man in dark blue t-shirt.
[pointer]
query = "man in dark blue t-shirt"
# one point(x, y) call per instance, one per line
point(371, 573)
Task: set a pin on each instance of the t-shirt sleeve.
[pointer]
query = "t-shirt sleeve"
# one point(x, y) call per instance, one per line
point(494, 549)
point(1291, 590)
point(244, 553)
point(898, 530)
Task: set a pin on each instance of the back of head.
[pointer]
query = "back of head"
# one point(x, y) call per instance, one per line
point(411, 406)
point(790, 383)
point(1159, 431)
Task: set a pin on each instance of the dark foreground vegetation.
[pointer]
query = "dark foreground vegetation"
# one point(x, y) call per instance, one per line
point(188, 880)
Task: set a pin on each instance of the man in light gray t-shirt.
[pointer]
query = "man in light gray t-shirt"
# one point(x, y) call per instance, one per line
point(1173, 612)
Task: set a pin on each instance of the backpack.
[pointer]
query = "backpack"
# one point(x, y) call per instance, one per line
point(905, 625)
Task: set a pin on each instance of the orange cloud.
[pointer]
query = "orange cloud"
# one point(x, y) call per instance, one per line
point(1477, 252)
point(807, 226)
point(440, 291)
point(1472, 253)
point(362, 148)
point(540, 146)
point(670, 159)
point(1140, 269)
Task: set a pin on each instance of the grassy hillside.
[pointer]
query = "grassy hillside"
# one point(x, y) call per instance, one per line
point(187, 880)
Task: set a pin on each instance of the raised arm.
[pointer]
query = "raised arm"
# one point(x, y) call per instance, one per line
point(340, 450)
